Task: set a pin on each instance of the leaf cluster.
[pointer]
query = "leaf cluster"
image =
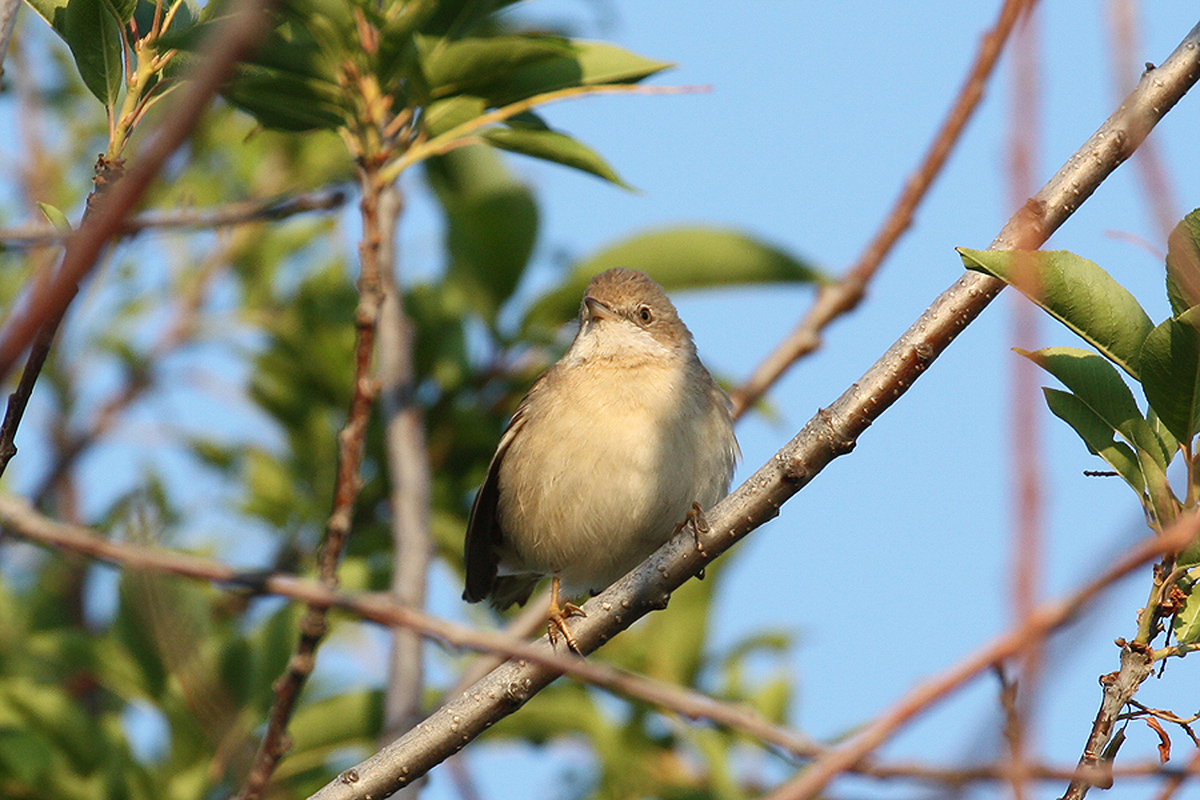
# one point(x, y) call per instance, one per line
point(1163, 360)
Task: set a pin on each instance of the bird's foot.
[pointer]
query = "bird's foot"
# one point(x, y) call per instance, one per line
point(699, 524)
point(557, 617)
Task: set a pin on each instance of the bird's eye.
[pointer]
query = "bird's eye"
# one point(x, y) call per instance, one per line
point(645, 315)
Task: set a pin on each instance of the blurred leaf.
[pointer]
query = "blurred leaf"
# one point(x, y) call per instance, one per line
point(476, 65)
point(55, 217)
point(442, 115)
point(1079, 294)
point(94, 36)
point(588, 64)
point(678, 258)
point(1097, 435)
point(492, 224)
point(25, 756)
point(553, 146)
point(1183, 264)
point(456, 18)
point(1170, 362)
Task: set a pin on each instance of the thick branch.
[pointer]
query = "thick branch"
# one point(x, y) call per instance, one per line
point(830, 434)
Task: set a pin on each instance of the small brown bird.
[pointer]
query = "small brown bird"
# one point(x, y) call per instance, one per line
point(605, 457)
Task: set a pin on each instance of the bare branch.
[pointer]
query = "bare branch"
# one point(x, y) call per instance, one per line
point(844, 296)
point(351, 444)
point(22, 520)
point(831, 433)
point(229, 214)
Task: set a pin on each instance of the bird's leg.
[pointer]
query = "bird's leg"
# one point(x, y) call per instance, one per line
point(558, 615)
point(695, 517)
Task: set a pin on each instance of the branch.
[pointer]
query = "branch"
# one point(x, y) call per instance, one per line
point(844, 296)
point(20, 519)
point(831, 433)
point(409, 483)
point(1032, 630)
point(351, 444)
point(226, 215)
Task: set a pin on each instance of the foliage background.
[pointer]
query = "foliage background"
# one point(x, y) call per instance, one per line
point(895, 562)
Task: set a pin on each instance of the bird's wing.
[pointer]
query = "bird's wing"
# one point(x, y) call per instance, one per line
point(483, 526)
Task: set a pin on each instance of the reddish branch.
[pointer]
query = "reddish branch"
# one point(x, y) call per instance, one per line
point(844, 296)
point(52, 293)
point(351, 444)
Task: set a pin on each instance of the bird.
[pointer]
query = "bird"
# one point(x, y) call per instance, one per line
point(613, 449)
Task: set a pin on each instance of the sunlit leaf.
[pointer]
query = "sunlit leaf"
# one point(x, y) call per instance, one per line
point(553, 146)
point(94, 36)
point(1183, 264)
point(1171, 373)
point(1097, 435)
point(1079, 294)
point(55, 217)
point(477, 65)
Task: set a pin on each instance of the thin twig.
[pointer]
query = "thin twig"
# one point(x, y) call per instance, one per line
point(832, 433)
point(1034, 628)
point(840, 298)
point(351, 444)
point(8, 21)
point(229, 214)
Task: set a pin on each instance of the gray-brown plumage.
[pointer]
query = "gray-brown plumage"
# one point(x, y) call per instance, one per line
point(604, 457)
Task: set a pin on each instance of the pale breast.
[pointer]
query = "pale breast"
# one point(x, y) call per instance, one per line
point(591, 486)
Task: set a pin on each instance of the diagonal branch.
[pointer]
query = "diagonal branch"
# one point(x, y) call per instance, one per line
point(842, 297)
point(831, 433)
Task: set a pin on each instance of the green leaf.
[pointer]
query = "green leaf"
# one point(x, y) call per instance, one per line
point(122, 10)
point(1079, 294)
point(678, 258)
point(553, 146)
point(1097, 435)
point(588, 64)
point(94, 36)
point(1100, 388)
point(1183, 264)
point(1171, 373)
point(443, 115)
point(25, 756)
point(1186, 624)
point(55, 217)
point(492, 228)
point(479, 65)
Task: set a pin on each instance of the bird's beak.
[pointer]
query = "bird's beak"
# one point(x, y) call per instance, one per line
point(597, 310)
